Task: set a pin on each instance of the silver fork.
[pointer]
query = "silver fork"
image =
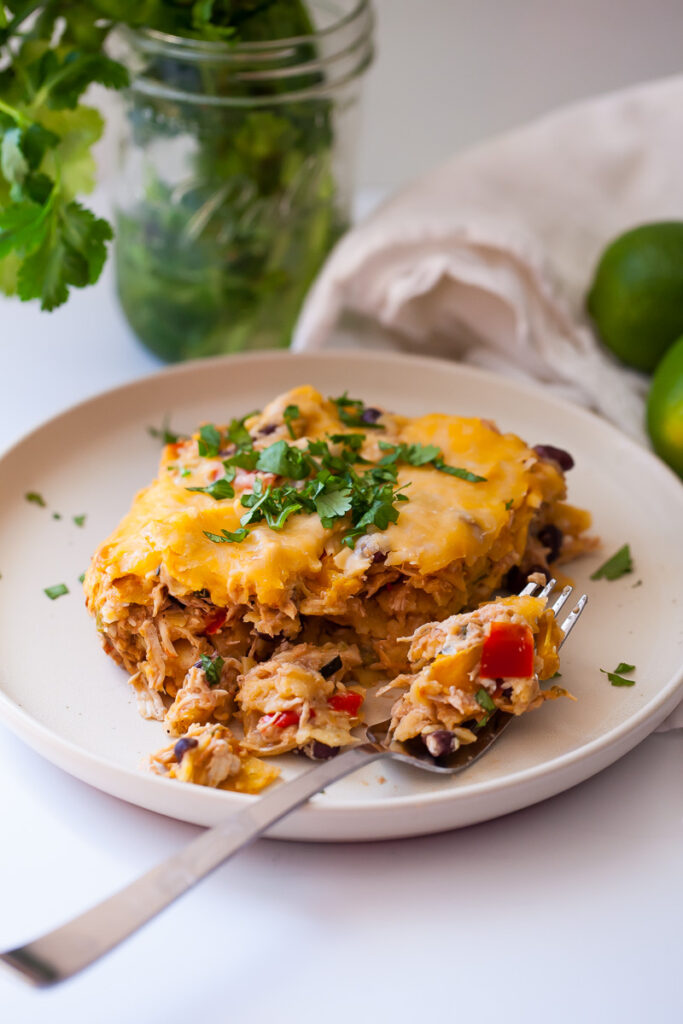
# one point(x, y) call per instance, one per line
point(66, 950)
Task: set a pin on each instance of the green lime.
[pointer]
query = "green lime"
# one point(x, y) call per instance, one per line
point(636, 299)
point(665, 408)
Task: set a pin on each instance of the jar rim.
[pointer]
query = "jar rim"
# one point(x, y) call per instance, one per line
point(188, 47)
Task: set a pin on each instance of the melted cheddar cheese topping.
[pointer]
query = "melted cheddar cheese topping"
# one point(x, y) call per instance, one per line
point(445, 520)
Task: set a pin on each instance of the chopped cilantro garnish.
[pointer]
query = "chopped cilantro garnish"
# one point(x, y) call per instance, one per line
point(618, 680)
point(292, 412)
point(165, 434)
point(186, 472)
point(209, 443)
point(79, 520)
point(509, 504)
point(56, 515)
point(616, 566)
point(463, 474)
point(422, 455)
point(238, 433)
point(226, 537)
point(318, 479)
point(57, 591)
point(212, 668)
point(352, 441)
point(484, 701)
point(413, 454)
point(81, 578)
point(246, 459)
point(354, 413)
point(284, 460)
point(219, 489)
point(333, 504)
point(35, 498)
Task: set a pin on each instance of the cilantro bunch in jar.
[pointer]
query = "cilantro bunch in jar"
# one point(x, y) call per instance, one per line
point(235, 176)
point(236, 158)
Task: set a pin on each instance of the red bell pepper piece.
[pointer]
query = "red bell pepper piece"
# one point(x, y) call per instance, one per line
point(508, 651)
point(216, 621)
point(281, 720)
point(349, 702)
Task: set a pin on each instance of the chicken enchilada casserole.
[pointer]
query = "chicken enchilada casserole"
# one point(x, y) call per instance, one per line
point(282, 563)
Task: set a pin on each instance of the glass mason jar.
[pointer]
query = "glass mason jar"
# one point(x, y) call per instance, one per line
point(235, 178)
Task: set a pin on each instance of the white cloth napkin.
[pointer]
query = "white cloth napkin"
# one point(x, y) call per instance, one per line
point(488, 258)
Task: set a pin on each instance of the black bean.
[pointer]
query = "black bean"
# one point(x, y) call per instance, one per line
point(439, 743)
point(507, 692)
point(320, 751)
point(558, 455)
point(370, 415)
point(515, 579)
point(550, 537)
point(269, 428)
point(332, 666)
point(379, 556)
point(183, 744)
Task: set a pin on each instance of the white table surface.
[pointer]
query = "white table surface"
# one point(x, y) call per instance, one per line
point(566, 911)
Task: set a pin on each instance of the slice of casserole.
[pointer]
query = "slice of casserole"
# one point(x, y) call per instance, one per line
point(319, 530)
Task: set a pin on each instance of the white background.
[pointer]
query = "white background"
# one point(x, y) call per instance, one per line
point(452, 72)
point(568, 911)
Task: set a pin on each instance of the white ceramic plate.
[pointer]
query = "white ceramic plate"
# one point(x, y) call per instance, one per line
point(70, 702)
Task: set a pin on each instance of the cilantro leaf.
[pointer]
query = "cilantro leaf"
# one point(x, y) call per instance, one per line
point(23, 227)
point(79, 520)
point(239, 435)
point(292, 412)
point(618, 680)
point(284, 460)
point(244, 460)
point(462, 474)
point(219, 489)
point(58, 590)
point(35, 498)
point(623, 667)
point(13, 163)
point(253, 501)
point(226, 537)
point(484, 701)
point(277, 517)
point(354, 413)
point(332, 505)
point(71, 252)
point(422, 455)
point(60, 82)
point(616, 566)
point(165, 434)
point(212, 668)
point(209, 443)
point(35, 142)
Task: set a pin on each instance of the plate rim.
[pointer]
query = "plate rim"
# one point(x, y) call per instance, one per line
point(652, 713)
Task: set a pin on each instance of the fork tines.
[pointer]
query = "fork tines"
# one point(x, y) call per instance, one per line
point(535, 590)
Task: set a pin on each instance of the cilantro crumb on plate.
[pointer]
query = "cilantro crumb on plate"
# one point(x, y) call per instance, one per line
point(615, 567)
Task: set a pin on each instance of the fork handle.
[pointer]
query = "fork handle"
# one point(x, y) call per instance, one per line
point(68, 949)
